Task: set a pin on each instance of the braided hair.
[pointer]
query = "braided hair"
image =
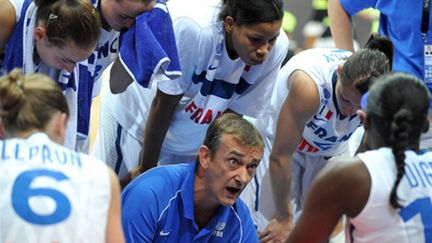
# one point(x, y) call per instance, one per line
point(398, 106)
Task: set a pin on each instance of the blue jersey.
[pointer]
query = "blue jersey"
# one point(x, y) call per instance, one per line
point(400, 20)
point(158, 206)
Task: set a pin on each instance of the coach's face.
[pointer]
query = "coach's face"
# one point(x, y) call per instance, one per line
point(121, 14)
point(229, 169)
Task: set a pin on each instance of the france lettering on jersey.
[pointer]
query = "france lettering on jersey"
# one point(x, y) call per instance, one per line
point(90, 72)
point(379, 221)
point(326, 133)
point(322, 134)
point(50, 193)
point(213, 82)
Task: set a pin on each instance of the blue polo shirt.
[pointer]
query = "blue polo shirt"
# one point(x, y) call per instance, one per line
point(158, 206)
point(400, 20)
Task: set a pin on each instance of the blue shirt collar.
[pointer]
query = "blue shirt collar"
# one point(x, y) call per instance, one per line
point(187, 197)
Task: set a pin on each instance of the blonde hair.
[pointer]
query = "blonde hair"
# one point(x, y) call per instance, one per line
point(29, 101)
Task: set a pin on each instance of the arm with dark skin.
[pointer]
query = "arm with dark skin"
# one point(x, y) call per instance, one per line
point(119, 77)
point(158, 122)
point(331, 196)
point(301, 104)
point(7, 22)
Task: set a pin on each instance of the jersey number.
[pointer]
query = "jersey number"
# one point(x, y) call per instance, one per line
point(22, 192)
point(423, 206)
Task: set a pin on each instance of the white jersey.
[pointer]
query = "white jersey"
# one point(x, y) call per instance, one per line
point(379, 221)
point(17, 4)
point(211, 82)
point(50, 193)
point(326, 133)
point(78, 94)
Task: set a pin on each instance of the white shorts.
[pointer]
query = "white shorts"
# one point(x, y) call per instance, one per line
point(113, 145)
point(258, 194)
point(119, 149)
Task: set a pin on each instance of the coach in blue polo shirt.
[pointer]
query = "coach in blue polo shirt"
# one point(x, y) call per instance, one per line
point(198, 202)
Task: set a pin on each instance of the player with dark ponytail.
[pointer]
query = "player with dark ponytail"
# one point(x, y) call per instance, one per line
point(384, 189)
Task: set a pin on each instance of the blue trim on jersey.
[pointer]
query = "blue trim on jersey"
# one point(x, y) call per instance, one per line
point(85, 95)
point(334, 82)
point(218, 87)
point(13, 58)
point(118, 150)
point(256, 193)
point(13, 53)
point(158, 206)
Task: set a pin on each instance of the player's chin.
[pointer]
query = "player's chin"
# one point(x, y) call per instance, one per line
point(230, 196)
point(253, 62)
point(227, 202)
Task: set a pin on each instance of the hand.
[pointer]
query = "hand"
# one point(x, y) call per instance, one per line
point(124, 181)
point(277, 230)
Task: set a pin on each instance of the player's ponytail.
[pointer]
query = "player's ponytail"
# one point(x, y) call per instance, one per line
point(365, 65)
point(382, 44)
point(28, 102)
point(397, 106)
point(400, 130)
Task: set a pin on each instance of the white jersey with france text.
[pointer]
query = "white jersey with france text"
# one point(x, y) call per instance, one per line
point(213, 83)
point(326, 133)
point(50, 193)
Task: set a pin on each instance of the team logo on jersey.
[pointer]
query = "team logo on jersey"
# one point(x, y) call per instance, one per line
point(218, 230)
point(218, 51)
point(219, 48)
point(164, 233)
point(210, 67)
point(326, 93)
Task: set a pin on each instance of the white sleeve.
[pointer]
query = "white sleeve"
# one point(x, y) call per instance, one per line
point(187, 34)
point(18, 4)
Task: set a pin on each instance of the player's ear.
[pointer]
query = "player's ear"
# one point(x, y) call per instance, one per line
point(39, 33)
point(229, 24)
point(56, 127)
point(363, 118)
point(204, 156)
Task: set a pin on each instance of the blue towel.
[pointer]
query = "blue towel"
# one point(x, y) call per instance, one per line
point(149, 47)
